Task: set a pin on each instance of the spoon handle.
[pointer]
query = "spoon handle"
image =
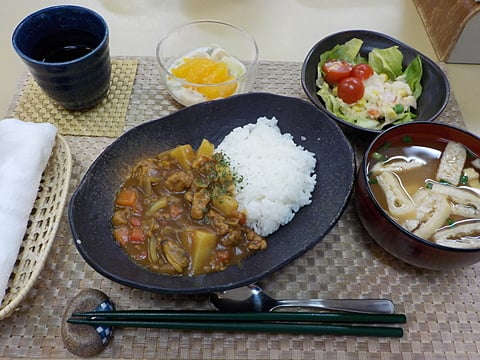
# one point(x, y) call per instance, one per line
point(367, 306)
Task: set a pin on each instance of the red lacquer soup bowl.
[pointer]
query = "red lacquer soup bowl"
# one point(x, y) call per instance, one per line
point(389, 234)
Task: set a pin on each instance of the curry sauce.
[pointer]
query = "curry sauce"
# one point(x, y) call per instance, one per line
point(176, 213)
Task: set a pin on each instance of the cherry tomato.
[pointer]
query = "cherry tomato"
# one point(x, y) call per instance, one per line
point(350, 89)
point(362, 71)
point(336, 70)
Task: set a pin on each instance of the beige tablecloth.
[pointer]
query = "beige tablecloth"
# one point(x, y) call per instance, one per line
point(442, 307)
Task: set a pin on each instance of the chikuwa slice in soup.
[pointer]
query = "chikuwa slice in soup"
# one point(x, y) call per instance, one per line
point(430, 188)
point(176, 213)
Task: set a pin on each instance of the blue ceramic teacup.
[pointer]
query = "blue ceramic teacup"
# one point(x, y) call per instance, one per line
point(66, 49)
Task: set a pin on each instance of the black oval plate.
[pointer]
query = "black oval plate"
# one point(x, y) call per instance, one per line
point(91, 206)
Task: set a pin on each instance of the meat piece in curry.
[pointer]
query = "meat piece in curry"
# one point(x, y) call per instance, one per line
point(177, 214)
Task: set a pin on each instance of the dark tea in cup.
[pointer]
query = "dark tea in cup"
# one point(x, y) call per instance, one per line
point(65, 46)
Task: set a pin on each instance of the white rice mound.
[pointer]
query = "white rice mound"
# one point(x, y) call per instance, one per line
point(278, 175)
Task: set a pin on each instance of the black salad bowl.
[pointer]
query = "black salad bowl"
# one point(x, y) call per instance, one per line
point(436, 89)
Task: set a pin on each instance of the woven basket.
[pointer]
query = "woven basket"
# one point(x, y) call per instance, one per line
point(42, 227)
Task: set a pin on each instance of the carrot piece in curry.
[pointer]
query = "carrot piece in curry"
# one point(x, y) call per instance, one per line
point(126, 197)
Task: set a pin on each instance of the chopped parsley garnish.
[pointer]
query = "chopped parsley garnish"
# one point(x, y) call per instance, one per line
point(378, 156)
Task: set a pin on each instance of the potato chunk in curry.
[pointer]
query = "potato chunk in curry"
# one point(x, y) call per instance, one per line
point(176, 213)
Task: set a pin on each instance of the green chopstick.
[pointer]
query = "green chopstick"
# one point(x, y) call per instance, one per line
point(275, 322)
point(200, 315)
point(293, 328)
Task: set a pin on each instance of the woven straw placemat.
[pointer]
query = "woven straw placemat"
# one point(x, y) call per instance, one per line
point(105, 119)
point(443, 308)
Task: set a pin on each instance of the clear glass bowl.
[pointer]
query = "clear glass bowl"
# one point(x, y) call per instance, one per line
point(207, 38)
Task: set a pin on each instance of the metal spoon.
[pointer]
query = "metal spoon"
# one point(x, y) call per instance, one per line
point(252, 298)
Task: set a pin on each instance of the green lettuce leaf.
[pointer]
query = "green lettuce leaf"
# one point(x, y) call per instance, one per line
point(349, 52)
point(386, 61)
point(413, 76)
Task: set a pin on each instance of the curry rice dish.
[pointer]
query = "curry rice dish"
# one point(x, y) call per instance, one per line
point(187, 212)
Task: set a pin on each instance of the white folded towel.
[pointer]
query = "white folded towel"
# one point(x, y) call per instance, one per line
point(25, 148)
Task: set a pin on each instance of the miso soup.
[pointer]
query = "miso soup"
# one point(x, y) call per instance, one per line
point(430, 187)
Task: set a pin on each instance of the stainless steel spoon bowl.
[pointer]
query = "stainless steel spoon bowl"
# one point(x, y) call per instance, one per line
point(252, 298)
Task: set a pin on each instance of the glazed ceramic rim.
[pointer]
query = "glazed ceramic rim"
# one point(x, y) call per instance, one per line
point(376, 143)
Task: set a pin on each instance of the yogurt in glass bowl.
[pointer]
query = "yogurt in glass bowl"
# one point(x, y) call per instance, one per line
point(207, 60)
